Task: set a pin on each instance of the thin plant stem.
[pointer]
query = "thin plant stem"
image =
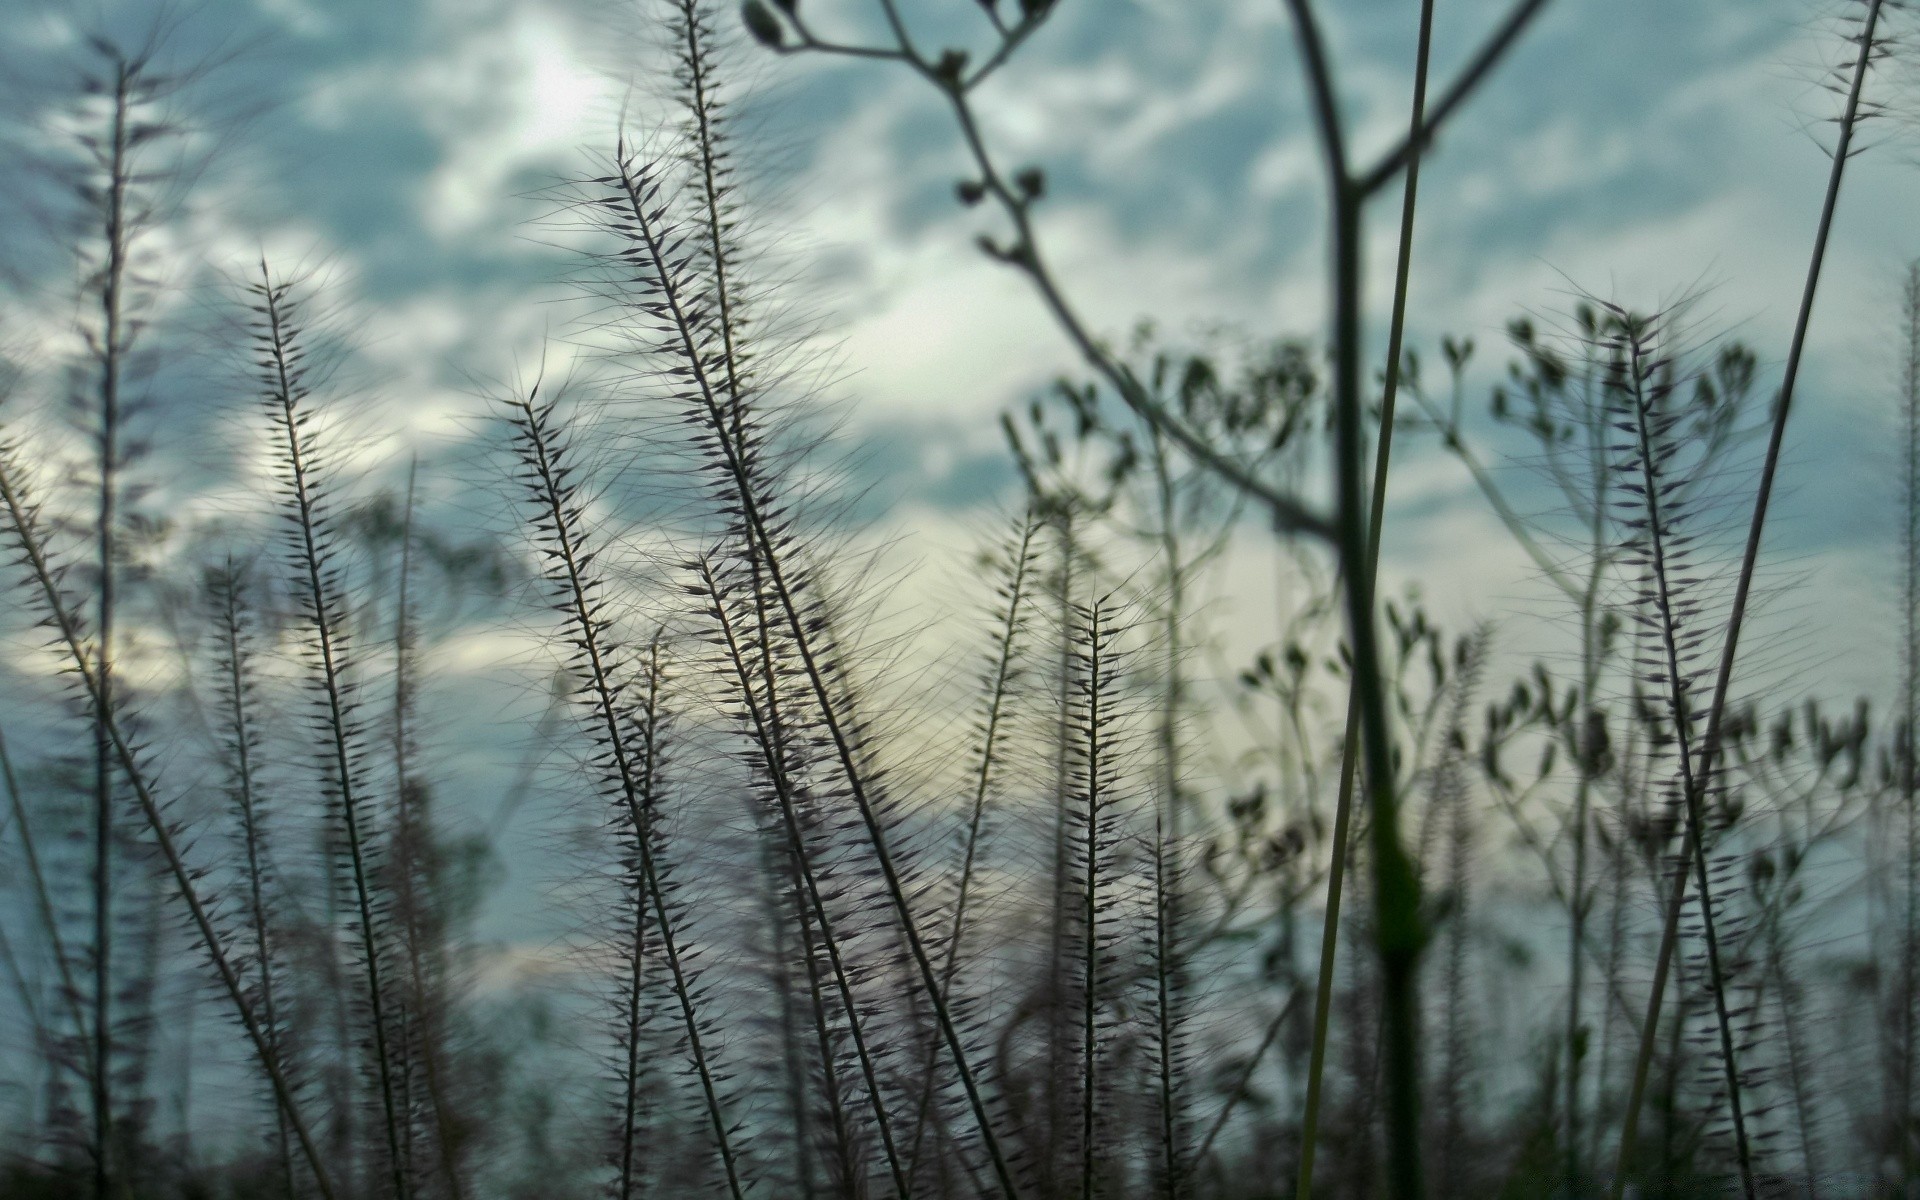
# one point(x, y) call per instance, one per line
point(1662, 568)
point(1908, 777)
point(241, 782)
point(22, 523)
point(632, 771)
point(1245, 1076)
point(998, 688)
point(1350, 748)
point(43, 902)
point(1749, 559)
point(112, 296)
point(305, 510)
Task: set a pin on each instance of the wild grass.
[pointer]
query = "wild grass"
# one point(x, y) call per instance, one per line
point(1044, 926)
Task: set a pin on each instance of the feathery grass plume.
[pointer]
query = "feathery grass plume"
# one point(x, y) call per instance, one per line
point(619, 707)
point(1071, 489)
point(667, 295)
point(1097, 803)
point(1166, 1008)
point(788, 767)
point(415, 880)
point(1058, 1161)
point(1014, 567)
point(1870, 44)
point(700, 90)
point(1552, 396)
point(700, 323)
point(229, 594)
point(1450, 818)
point(124, 190)
point(1657, 510)
point(24, 524)
point(1152, 525)
point(278, 309)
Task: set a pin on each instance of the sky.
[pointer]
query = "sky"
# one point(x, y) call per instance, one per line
point(1633, 149)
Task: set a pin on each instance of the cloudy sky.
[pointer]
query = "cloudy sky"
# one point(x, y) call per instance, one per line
point(1632, 148)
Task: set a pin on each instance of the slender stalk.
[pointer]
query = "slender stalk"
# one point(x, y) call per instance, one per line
point(1399, 927)
point(1478, 68)
point(632, 1019)
point(1367, 571)
point(1058, 956)
point(759, 528)
point(633, 775)
point(43, 906)
point(281, 362)
point(1749, 559)
point(1166, 1020)
point(416, 871)
point(1908, 770)
point(238, 687)
point(1583, 743)
point(106, 531)
point(1170, 974)
point(22, 522)
point(792, 1052)
point(1093, 779)
point(1650, 450)
point(738, 656)
point(998, 688)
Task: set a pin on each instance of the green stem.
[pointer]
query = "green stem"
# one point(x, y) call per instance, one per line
point(1363, 579)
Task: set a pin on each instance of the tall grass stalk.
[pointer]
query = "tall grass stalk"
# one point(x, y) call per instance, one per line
point(23, 523)
point(647, 226)
point(624, 718)
point(109, 353)
point(1641, 383)
point(240, 742)
point(68, 985)
point(285, 377)
point(1730, 642)
point(687, 335)
point(1906, 1056)
point(791, 801)
point(1350, 744)
point(989, 751)
point(1399, 933)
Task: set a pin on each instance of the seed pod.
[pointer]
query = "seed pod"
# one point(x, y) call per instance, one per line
point(763, 25)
